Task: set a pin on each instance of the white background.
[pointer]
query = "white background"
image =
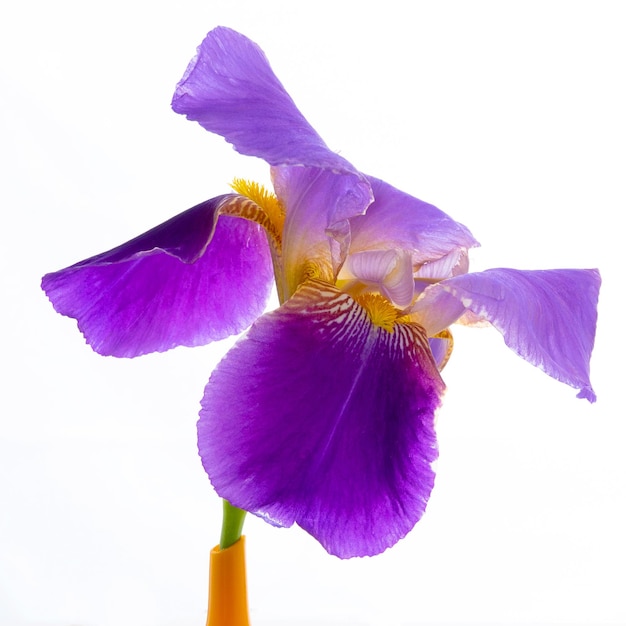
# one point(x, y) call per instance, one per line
point(507, 115)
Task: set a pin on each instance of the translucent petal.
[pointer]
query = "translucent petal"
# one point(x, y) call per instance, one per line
point(230, 89)
point(391, 271)
point(548, 317)
point(397, 220)
point(319, 204)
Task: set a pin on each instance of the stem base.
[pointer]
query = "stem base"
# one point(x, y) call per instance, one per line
point(228, 594)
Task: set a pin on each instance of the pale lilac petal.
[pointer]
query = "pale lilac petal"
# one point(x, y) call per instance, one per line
point(441, 348)
point(191, 280)
point(319, 205)
point(389, 271)
point(452, 264)
point(435, 309)
point(230, 89)
point(318, 417)
point(548, 317)
point(398, 220)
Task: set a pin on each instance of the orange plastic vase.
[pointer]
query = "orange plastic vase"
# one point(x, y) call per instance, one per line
point(228, 595)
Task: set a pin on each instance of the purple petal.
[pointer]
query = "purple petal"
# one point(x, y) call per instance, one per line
point(398, 220)
point(389, 271)
point(317, 416)
point(319, 204)
point(230, 89)
point(441, 348)
point(451, 264)
point(169, 287)
point(547, 317)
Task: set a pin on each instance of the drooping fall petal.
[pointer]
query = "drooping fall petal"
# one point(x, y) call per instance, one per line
point(548, 317)
point(318, 416)
point(192, 280)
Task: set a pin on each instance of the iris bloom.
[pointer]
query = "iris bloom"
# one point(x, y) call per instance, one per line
point(322, 414)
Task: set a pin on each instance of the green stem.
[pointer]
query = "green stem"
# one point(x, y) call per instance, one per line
point(232, 525)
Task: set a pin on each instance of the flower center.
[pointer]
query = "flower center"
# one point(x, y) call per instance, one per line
point(380, 311)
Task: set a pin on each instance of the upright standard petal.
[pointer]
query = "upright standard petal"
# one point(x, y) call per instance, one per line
point(332, 425)
point(319, 206)
point(397, 220)
point(548, 317)
point(230, 89)
point(191, 280)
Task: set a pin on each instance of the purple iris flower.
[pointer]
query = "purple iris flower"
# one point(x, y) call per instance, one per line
point(322, 413)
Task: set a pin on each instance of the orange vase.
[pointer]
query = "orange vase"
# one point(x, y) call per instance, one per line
point(228, 595)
